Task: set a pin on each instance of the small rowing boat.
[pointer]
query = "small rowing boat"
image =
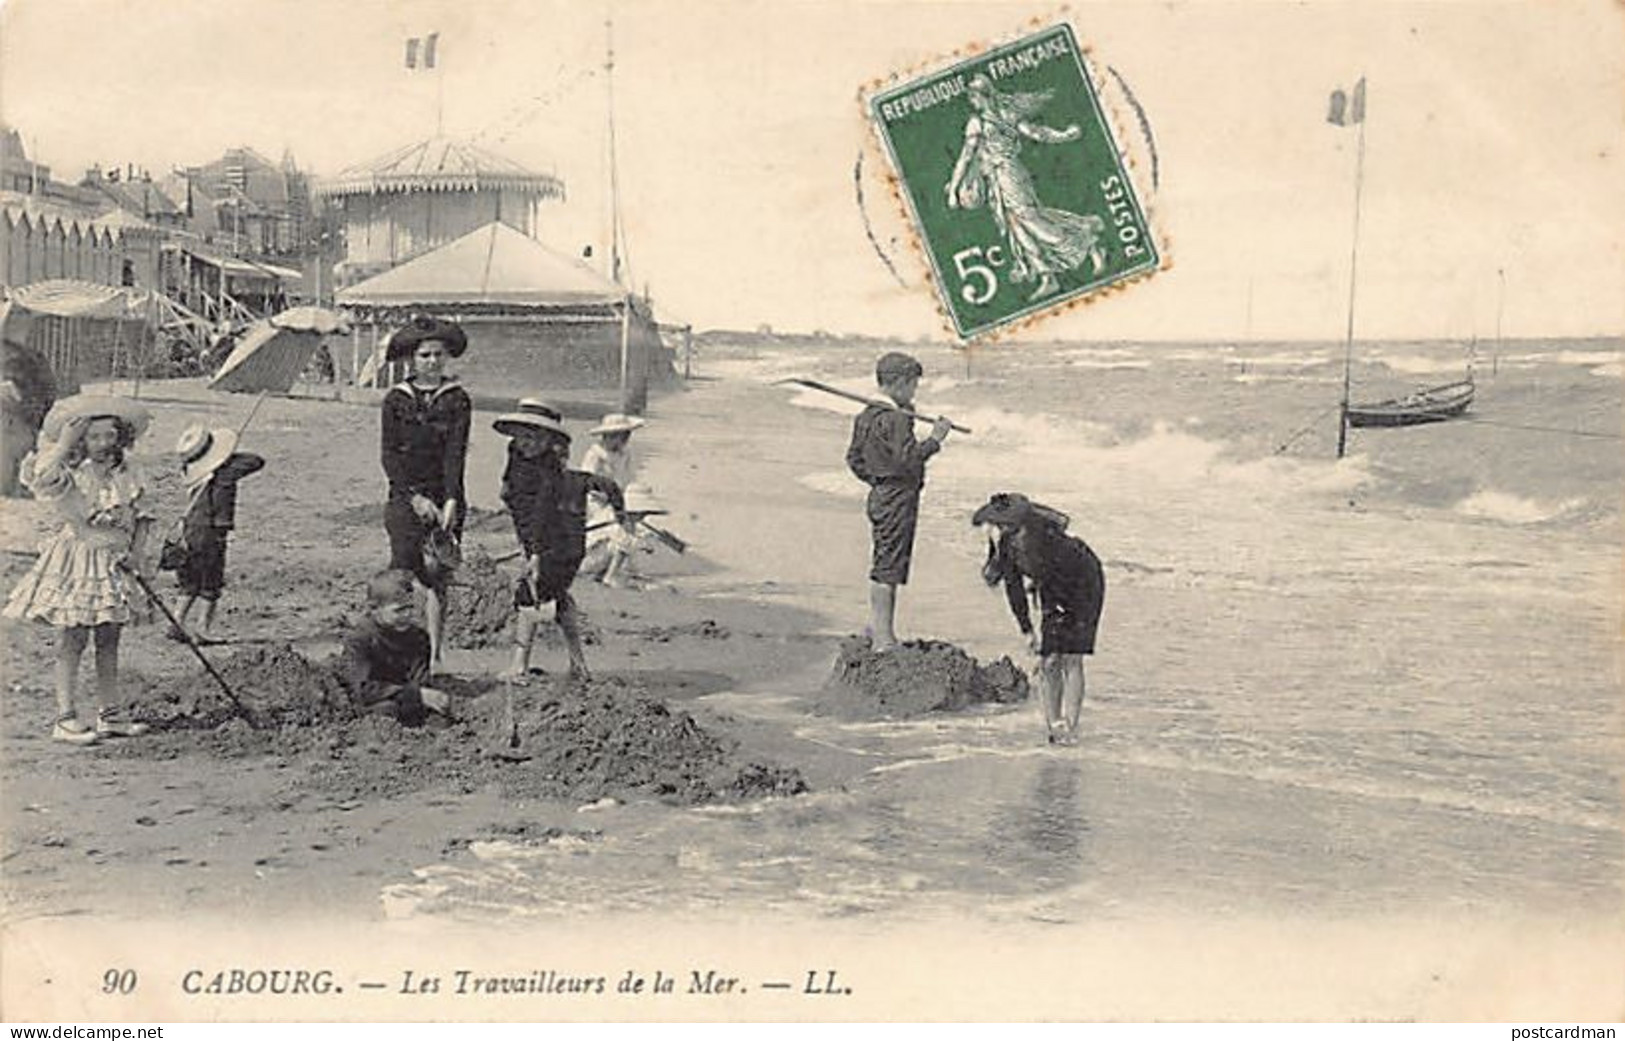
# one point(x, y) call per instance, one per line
point(1430, 405)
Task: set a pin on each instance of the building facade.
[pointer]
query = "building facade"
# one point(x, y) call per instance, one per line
point(425, 195)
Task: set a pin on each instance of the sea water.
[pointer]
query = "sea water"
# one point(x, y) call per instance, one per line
point(1371, 684)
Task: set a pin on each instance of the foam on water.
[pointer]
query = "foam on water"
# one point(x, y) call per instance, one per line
point(1423, 365)
point(1489, 504)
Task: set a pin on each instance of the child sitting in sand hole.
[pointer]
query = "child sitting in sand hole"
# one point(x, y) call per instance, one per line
point(1033, 555)
point(211, 468)
point(548, 503)
point(385, 662)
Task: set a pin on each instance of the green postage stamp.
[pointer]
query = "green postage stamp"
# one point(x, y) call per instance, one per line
point(1016, 185)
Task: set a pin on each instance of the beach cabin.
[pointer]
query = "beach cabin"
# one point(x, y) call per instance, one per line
point(536, 321)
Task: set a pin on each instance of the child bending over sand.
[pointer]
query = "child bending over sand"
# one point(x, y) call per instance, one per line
point(548, 503)
point(1034, 553)
point(386, 658)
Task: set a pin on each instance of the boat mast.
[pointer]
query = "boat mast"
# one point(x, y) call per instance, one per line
point(1354, 262)
point(1500, 308)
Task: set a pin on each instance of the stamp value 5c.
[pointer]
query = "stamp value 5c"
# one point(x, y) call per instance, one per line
point(1015, 183)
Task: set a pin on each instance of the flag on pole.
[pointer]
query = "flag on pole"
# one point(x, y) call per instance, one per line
point(1347, 109)
point(427, 45)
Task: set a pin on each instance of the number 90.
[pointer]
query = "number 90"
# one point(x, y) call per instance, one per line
point(118, 981)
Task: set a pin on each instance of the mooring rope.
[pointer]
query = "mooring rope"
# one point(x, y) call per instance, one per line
point(1322, 414)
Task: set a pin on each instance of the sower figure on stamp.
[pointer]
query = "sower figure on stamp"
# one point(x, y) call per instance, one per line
point(424, 449)
point(548, 502)
point(884, 455)
point(1034, 556)
point(1043, 241)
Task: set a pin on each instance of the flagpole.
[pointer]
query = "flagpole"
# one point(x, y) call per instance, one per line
point(1354, 262)
point(439, 95)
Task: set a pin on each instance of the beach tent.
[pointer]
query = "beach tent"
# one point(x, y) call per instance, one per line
point(493, 265)
point(86, 330)
point(535, 318)
point(275, 350)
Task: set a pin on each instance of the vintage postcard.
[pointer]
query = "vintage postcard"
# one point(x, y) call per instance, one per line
point(533, 511)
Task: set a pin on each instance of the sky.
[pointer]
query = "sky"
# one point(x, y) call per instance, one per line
point(1493, 143)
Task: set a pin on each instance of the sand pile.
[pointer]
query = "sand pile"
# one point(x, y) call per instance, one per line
point(918, 677)
point(278, 686)
point(480, 611)
point(479, 604)
point(576, 741)
point(608, 737)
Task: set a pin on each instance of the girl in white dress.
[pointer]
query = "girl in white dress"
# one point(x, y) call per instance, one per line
point(609, 544)
point(82, 582)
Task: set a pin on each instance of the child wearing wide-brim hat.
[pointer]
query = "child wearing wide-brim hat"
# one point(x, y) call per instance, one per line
point(548, 504)
point(611, 559)
point(610, 457)
point(211, 466)
point(425, 425)
point(1033, 550)
point(82, 582)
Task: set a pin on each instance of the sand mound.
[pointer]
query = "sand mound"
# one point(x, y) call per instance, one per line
point(479, 608)
point(918, 677)
point(607, 737)
point(278, 686)
point(577, 741)
point(480, 611)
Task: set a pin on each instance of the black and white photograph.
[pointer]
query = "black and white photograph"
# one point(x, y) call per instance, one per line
point(500, 519)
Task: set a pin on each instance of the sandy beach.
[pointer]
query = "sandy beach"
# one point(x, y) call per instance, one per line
point(1277, 744)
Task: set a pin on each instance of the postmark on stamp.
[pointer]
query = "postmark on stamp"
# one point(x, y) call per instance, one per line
point(1017, 188)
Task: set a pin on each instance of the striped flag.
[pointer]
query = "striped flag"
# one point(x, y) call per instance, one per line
point(1348, 109)
point(427, 45)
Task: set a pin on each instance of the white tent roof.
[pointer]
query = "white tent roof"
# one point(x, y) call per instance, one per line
point(491, 265)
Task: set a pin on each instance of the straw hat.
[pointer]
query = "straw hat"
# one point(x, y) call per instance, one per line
point(403, 341)
point(639, 499)
point(204, 451)
point(95, 406)
point(617, 423)
point(533, 414)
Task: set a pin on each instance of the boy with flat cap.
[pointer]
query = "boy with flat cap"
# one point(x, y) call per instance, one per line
point(884, 455)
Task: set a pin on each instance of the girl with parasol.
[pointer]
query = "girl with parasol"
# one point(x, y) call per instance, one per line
point(424, 451)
